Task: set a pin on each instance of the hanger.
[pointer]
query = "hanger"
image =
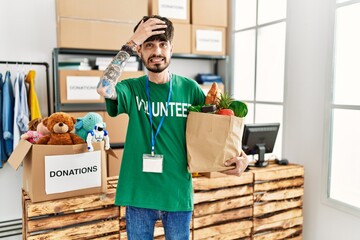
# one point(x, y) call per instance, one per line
point(24, 68)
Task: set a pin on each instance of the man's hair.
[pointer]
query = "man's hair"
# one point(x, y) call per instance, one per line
point(169, 30)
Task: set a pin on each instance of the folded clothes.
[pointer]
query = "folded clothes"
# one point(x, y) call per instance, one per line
point(202, 78)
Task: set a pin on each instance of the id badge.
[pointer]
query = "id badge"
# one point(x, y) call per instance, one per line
point(153, 164)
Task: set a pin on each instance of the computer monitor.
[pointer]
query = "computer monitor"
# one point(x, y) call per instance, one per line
point(259, 138)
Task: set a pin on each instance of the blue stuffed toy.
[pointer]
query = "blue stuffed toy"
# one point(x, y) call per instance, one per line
point(86, 124)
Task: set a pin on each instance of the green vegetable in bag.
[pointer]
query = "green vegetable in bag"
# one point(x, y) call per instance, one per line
point(195, 108)
point(240, 108)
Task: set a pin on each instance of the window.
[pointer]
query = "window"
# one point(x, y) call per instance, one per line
point(344, 167)
point(259, 58)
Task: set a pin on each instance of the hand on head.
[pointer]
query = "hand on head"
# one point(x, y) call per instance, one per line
point(151, 27)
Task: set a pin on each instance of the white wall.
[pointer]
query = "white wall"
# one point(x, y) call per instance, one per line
point(308, 75)
point(28, 33)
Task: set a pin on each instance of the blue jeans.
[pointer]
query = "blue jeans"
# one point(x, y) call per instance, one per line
point(140, 223)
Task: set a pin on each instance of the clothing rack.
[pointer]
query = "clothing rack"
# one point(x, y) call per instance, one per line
point(46, 65)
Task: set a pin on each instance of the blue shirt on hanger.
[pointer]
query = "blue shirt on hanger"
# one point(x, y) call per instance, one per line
point(8, 114)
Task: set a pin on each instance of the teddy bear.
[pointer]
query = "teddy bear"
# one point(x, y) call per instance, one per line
point(60, 125)
point(87, 123)
point(37, 130)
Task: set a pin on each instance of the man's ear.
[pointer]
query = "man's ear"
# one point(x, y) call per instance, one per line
point(171, 49)
point(138, 50)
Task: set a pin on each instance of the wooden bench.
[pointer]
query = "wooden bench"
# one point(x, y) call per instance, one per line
point(262, 204)
point(83, 217)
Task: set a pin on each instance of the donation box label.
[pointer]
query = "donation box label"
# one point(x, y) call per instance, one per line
point(71, 172)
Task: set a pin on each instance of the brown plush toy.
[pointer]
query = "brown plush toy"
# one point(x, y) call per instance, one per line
point(60, 125)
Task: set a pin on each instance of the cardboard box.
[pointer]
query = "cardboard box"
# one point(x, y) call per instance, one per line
point(117, 127)
point(209, 12)
point(90, 34)
point(114, 163)
point(177, 11)
point(97, 24)
point(114, 10)
point(80, 86)
point(126, 75)
point(208, 40)
point(60, 171)
point(182, 38)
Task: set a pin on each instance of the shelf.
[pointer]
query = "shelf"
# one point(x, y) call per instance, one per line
point(84, 51)
point(200, 57)
point(113, 53)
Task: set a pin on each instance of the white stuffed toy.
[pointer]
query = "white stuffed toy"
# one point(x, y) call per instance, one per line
point(98, 134)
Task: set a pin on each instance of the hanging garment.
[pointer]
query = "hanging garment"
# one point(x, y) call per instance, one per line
point(33, 100)
point(21, 110)
point(2, 143)
point(16, 130)
point(8, 114)
point(23, 117)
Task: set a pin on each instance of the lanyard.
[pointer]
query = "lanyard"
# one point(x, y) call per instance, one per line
point(150, 113)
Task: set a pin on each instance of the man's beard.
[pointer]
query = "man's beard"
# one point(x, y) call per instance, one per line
point(157, 68)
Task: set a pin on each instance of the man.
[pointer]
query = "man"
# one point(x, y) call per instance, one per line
point(154, 182)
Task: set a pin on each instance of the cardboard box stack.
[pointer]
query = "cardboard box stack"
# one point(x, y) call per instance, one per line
point(94, 24)
point(203, 22)
point(209, 23)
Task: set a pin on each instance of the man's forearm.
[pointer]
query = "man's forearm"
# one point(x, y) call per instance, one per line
point(106, 85)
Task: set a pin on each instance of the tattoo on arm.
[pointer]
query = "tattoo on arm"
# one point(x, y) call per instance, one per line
point(106, 86)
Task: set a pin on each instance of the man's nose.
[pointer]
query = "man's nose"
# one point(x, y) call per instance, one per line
point(157, 49)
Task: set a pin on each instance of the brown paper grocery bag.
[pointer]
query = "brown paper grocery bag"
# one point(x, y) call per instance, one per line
point(211, 139)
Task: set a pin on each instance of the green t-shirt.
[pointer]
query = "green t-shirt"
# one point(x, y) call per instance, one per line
point(170, 190)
